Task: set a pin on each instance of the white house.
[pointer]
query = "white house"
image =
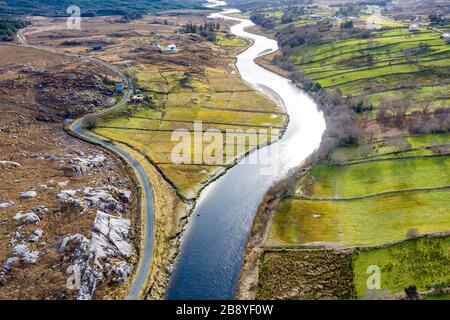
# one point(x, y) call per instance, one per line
point(137, 98)
point(171, 48)
point(414, 28)
point(445, 36)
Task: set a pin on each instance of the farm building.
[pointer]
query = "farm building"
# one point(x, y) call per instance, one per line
point(171, 48)
point(97, 48)
point(414, 28)
point(137, 98)
point(128, 63)
point(445, 36)
point(315, 17)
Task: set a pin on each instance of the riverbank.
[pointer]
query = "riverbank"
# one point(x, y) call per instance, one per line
point(224, 212)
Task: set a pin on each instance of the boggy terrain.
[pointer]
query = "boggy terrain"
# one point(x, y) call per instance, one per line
point(197, 81)
point(68, 224)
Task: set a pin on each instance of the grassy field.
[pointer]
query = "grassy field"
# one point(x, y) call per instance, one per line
point(414, 145)
point(176, 99)
point(373, 201)
point(420, 263)
point(389, 64)
point(362, 179)
point(380, 21)
point(371, 221)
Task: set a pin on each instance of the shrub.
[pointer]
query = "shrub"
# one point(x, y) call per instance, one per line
point(90, 122)
point(411, 293)
point(412, 233)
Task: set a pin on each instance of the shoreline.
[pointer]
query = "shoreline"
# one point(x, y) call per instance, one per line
point(213, 178)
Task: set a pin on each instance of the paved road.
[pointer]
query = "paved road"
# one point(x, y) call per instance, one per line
point(76, 128)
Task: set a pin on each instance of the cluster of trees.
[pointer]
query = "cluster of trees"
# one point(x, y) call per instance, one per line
point(347, 24)
point(292, 14)
point(9, 27)
point(292, 36)
point(348, 10)
point(263, 21)
point(437, 121)
point(439, 20)
point(207, 31)
point(424, 121)
point(342, 127)
point(392, 113)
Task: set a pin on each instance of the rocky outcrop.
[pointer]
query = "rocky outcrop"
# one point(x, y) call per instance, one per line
point(10, 164)
point(81, 165)
point(107, 198)
point(6, 205)
point(36, 235)
point(28, 195)
point(23, 252)
point(104, 256)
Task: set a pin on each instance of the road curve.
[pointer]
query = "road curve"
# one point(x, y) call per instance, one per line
point(75, 128)
point(138, 285)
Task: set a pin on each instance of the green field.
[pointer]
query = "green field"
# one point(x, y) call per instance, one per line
point(420, 263)
point(391, 64)
point(409, 146)
point(367, 203)
point(371, 221)
point(362, 179)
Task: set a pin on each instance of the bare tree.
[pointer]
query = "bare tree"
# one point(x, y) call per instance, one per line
point(90, 122)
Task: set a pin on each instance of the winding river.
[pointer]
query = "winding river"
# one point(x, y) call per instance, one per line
point(210, 259)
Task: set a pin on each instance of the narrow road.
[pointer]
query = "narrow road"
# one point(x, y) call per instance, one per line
point(75, 128)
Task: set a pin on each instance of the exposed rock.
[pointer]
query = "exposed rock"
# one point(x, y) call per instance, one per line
point(82, 165)
point(10, 163)
point(78, 239)
point(28, 195)
point(106, 198)
point(125, 196)
point(120, 272)
point(18, 216)
point(115, 231)
point(63, 184)
point(72, 201)
point(36, 235)
point(31, 218)
point(71, 193)
point(91, 258)
point(39, 209)
point(6, 205)
point(27, 218)
point(22, 251)
point(7, 266)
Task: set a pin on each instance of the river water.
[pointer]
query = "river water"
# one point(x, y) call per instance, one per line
point(211, 253)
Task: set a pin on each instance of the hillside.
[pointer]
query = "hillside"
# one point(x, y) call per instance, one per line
point(92, 8)
point(381, 175)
